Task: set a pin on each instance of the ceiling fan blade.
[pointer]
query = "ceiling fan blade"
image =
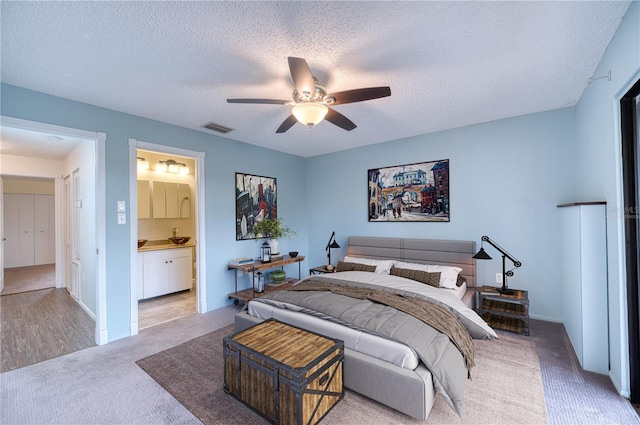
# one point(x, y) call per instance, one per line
point(262, 101)
point(287, 124)
point(302, 77)
point(335, 117)
point(357, 95)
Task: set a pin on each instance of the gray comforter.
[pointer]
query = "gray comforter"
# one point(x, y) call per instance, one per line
point(435, 349)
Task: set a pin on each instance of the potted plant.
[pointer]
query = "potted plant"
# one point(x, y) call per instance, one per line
point(274, 229)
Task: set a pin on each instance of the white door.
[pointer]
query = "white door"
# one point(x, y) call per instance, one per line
point(26, 240)
point(44, 230)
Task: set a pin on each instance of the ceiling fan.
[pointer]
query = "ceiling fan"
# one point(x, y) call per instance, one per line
point(311, 100)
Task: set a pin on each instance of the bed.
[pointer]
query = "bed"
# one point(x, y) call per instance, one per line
point(401, 360)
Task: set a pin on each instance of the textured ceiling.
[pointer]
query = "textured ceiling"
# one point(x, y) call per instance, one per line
point(449, 64)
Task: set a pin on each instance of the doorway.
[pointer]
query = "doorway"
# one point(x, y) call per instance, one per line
point(166, 279)
point(166, 197)
point(33, 150)
point(630, 126)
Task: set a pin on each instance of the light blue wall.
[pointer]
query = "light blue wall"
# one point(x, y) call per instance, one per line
point(506, 178)
point(223, 159)
point(599, 170)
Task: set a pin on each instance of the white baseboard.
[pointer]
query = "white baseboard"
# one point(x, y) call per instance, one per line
point(546, 319)
point(85, 308)
point(616, 384)
point(102, 337)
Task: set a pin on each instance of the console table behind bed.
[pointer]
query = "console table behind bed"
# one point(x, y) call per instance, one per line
point(408, 391)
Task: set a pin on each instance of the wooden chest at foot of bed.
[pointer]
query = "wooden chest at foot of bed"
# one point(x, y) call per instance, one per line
point(286, 374)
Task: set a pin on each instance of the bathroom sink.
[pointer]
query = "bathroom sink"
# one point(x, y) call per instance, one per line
point(141, 242)
point(180, 240)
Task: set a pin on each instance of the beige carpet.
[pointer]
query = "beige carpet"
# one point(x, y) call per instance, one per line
point(31, 278)
point(506, 387)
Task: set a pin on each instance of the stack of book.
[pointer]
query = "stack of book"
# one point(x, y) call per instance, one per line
point(241, 261)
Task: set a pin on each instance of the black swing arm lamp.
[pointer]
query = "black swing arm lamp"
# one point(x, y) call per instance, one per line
point(330, 245)
point(482, 255)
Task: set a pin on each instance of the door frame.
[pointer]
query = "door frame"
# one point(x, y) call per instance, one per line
point(201, 287)
point(99, 139)
point(630, 149)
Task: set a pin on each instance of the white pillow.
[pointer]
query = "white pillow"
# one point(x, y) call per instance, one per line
point(448, 274)
point(413, 266)
point(382, 266)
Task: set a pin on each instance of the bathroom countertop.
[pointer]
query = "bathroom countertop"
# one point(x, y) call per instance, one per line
point(164, 244)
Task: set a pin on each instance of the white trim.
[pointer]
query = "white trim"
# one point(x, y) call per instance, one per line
point(201, 287)
point(47, 128)
point(623, 384)
point(102, 334)
point(201, 255)
point(59, 219)
point(133, 239)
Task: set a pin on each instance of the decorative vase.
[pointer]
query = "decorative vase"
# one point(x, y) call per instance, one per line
point(278, 276)
point(273, 243)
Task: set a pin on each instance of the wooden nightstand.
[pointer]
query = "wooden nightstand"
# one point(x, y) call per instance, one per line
point(502, 311)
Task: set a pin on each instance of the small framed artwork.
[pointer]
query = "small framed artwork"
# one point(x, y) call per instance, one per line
point(255, 200)
point(413, 192)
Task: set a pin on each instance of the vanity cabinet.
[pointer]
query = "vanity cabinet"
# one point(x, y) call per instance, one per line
point(159, 199)
point(170, 200)
point(144, 199)
point(163, 271)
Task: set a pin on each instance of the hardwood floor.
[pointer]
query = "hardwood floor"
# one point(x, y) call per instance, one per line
point(40, 325)
point(32, 278)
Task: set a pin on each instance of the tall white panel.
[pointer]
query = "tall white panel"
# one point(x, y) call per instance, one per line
point(44, 227)
point(27, 226)
point(584, 296)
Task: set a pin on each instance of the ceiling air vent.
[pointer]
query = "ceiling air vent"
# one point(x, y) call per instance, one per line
point(217, 127)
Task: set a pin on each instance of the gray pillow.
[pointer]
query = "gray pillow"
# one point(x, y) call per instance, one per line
point(344, 266)
point(430, 278)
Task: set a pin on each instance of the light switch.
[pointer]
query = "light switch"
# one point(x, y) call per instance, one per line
point(122, 218)
point(122, 206)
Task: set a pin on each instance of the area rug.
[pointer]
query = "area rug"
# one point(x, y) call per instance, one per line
point(506, 387)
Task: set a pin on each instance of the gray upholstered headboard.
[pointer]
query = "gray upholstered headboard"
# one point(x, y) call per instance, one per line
point(423, 251)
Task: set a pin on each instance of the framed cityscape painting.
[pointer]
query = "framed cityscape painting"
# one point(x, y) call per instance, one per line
point(255, 200)
point(413, 192)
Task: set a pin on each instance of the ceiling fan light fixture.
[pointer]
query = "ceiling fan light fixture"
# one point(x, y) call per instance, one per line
point(310, 114)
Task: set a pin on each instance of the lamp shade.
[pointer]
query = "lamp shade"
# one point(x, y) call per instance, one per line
point(310, 113)
point(482, 255)
point(334, 244)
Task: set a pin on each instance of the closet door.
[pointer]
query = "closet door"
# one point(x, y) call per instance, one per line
point(44, 229)
point(26, 240)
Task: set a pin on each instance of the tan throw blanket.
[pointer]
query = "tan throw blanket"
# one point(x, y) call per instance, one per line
point(429, 312)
